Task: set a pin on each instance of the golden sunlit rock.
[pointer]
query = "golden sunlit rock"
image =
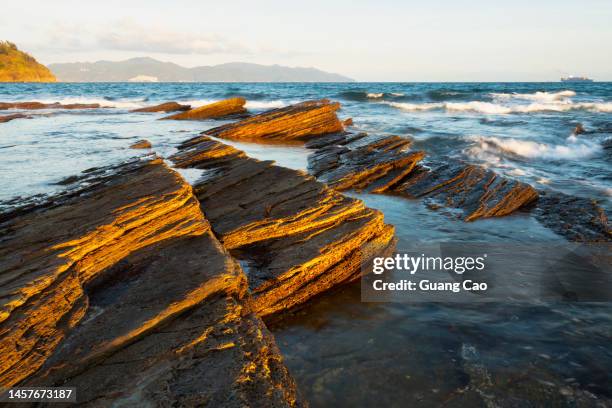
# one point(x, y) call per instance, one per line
point(217, 110)
point(362, 162)
point(123, 271)
point(293, 123)
point(296, 237)
point(164, 107)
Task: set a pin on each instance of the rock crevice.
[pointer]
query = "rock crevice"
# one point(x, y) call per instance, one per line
point(297, 237)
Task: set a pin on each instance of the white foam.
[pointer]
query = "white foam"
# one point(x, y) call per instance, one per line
point(499, 109)
point(543, 180)
point(266, 104)
point(120, 104)
point(517, 172)
point(537, 96)
point(191, 176)
point(375, 95)
point(195, 103)
point(493, 146)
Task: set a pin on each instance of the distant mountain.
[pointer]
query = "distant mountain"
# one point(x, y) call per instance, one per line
point(18, 66)
point(151, 70)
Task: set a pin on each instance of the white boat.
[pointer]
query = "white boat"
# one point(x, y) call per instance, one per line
point(572, 78)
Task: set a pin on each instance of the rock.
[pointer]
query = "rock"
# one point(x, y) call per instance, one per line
point(141, 144)
point(222, 109)
point(376, 163)
point(479, 192)
point(40, 105)
point(296, 237)
point(575, 218)
point(293, 123)
point(347, 122)
point(383, 164)
point(69, 180)
point(579, 129)
point(124, 275)
point(164, 107)
point(8, 118)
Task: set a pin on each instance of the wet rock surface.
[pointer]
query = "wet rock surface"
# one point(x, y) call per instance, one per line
point(295, 236)
point(576, 218)
point(8, 118)
point(108, 278)
point(225, 109)
point(164, 107)
point(373, 163)
point(479, 192)
point(295, 123)
point(384, 164)
point(141, 144)
point(40, 105)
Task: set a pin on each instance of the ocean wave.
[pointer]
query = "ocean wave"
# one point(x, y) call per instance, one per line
point(103, 102)
point(194, 103)
point(365, 96)
point(439, 95)
point(491, 148)
point(537, 96)
point(499, 109)
point(246, 95)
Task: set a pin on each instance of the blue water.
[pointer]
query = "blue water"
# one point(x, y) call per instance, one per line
point(344, 352)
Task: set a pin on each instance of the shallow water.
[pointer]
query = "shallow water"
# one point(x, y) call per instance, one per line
point(344, 352)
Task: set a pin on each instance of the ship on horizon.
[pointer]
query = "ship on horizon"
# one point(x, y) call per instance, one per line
point(572, 78)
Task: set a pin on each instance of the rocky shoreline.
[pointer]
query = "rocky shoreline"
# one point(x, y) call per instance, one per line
point(132, 269)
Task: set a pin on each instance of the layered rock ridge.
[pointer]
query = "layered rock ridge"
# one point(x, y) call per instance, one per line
point(164, 107)
point(362, 162)
point(40, 105)
point(384, 164)
point(295, 237)
point(119, 288)
point(291, 124)
point(8, 118)
point(225, 109)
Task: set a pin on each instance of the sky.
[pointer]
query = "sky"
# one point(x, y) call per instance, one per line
point(384, 40)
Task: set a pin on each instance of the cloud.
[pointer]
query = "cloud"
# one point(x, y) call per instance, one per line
point(128, 35)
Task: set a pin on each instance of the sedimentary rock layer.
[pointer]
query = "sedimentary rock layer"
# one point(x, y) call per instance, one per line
point(295, 236)
point(119, 288)
point(479, 192)
point(40, 105)
point(141, 144)
point(8, 118)
point(293, 123)
point(222, 109)
point(576, 218)
point(164, 107)
point(384, 164)
point(360, 161)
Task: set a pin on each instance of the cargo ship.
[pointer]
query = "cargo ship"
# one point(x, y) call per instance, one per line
point(572, 78)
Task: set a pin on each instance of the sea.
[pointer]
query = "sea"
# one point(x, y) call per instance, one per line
point(344, 351)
